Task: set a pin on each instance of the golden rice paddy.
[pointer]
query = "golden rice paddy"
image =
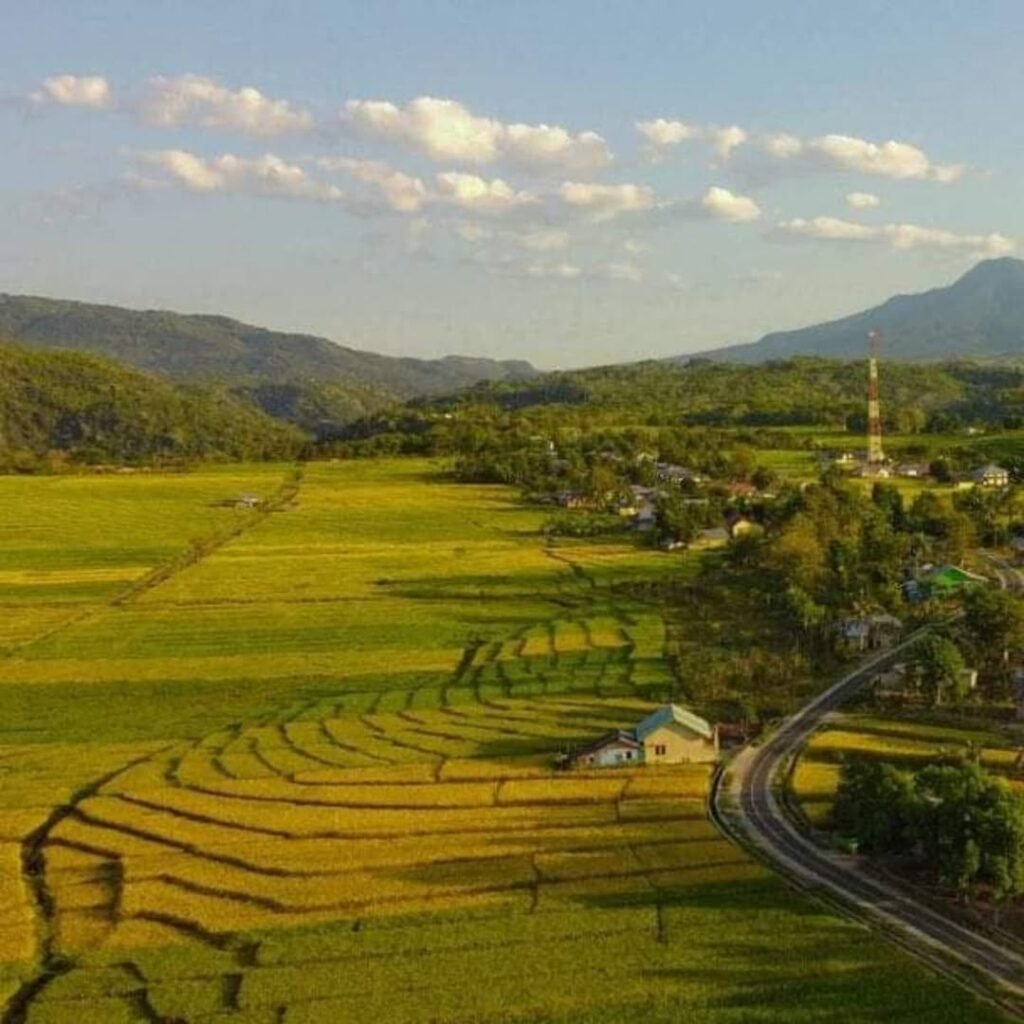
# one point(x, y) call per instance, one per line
point(307, 776)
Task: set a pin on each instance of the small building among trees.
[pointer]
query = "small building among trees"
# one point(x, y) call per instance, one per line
point(871, 632)
point(991, 476)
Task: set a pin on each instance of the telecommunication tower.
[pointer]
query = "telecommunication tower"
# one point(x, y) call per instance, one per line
point(876, 457)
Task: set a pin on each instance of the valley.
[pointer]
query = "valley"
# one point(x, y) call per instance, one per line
point(308, 769)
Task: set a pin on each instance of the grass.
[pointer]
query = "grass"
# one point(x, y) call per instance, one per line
point(307, 776)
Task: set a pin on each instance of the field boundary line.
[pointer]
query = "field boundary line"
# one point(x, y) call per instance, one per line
point(33, 868)
point(190, 556)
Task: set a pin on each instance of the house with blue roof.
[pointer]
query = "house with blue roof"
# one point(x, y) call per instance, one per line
point(668, 735)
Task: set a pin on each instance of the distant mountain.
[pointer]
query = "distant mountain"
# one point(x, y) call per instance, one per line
point(979, 316)
point(93, 410)
point(216, 347)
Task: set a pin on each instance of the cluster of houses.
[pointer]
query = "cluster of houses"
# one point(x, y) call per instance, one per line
point(896, 680)
point(873, 632)
point(990, 475)
point(669, 735)
point(639, 506)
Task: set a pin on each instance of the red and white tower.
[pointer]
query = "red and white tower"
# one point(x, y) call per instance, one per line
point(876, 457)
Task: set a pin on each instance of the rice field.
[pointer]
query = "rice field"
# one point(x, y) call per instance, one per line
point(305, 774)
point(909, 741)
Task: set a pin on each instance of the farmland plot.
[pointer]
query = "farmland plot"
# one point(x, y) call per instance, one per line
point(898, 740)
point(307, 777)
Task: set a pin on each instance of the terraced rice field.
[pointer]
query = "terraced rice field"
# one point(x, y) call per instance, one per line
point(815, 776)
point(305, 776)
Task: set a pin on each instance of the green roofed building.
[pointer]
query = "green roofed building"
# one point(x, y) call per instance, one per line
point(673, 735)
point(669, 735)
point(947, 580)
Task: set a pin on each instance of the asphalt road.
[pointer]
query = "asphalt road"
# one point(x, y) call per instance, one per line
point(1009, 575)
point(928, 933)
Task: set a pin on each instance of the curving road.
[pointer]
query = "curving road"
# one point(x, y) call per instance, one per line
point(1009, 574)
point(753, 806)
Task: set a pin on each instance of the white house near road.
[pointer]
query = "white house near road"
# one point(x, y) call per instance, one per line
point(617, 748)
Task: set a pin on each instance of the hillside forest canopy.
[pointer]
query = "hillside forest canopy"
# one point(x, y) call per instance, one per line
point(61, 407)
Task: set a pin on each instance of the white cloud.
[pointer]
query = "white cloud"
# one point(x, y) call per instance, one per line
point(479, 195)
point(445, 129)
point(725, 140)
point(862, 200)
point(661, 132)
point(197, 100)
point(830, 229)
point(75, 91)
point(542, 239)
point(896, 236)
point(622, 272)
point(721, 204)
point(564, 271)
point(891, 159)
point(537, 239)
point(911, 236)
point(635, 248)
point(266, 175)
point(470, 231)
point(782, 146)
point(603, 202)
point(401, 192)
point(495, 259)
point(548, 146)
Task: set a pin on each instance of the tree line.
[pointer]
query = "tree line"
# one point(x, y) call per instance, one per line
point(963, 826)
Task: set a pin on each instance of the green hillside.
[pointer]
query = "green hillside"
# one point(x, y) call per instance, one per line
point(93, 410)
point(318, 407)
point(192, 346)
point(799, 391)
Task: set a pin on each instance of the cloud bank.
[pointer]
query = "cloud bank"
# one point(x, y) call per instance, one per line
point(446, 130)
point(267, 175)
point(896, 236)
point(206, 103)
point(75, 91)
point(892, 159)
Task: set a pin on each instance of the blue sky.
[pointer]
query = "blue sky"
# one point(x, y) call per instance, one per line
point(565, 182)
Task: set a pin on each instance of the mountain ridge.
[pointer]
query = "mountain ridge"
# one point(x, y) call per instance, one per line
point(980, 315)
point(212, 346)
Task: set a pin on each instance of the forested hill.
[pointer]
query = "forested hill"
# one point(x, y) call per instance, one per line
point(802, 391)
point(216, 347)
point(57, 405)
point(979, 316)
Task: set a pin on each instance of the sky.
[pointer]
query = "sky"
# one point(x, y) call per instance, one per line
point(567, 182)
